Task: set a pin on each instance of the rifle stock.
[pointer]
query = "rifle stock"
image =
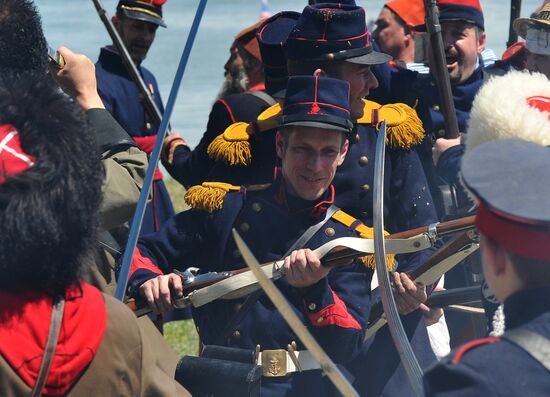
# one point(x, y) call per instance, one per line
point(439, 70)
point(145, 95)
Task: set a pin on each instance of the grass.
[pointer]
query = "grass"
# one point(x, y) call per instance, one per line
point(180, 335)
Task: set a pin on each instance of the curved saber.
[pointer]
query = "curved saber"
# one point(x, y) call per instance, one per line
point(155, 155)
point(279, 301)
point(412, 368)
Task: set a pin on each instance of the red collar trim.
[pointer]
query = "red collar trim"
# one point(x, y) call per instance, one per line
point(257, 87)
point(512, 235)
point(24, 324)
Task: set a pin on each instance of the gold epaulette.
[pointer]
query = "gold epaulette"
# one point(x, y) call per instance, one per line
point(403, 126)
point(233, 146)
point(365, 232)
point(210, 195)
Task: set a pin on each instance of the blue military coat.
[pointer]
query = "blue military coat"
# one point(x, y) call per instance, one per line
point(121, 98)
point(335, 309)
point(497, 367)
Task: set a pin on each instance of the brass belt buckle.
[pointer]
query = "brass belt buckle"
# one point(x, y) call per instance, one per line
point(274, 363)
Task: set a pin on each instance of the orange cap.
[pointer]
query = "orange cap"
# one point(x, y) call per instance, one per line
point(410, 11)
point(247, 39)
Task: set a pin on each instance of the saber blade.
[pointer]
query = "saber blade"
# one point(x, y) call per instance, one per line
point(280, 302)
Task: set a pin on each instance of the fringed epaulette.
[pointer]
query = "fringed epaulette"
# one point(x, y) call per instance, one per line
point(233, 146)
point(365, 232)
point(209, 196)
point(403, 126)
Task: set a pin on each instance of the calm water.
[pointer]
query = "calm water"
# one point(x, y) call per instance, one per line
point(76, 25)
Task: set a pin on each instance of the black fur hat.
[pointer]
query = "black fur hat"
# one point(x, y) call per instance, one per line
point(48, 213)
point(23, 47)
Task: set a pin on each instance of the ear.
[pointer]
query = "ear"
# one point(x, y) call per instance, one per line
point(280, 145)
point(343, 152)
point(481, 43)
point(495, 259)
point(320, 73)
point(116, 21)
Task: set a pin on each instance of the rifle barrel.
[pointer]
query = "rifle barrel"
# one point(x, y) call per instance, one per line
point(439, 69)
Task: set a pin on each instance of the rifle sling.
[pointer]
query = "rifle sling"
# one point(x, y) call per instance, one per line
point(51, 343)
point(253, 297)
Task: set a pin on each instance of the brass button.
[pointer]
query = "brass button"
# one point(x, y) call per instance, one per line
point(357, 137)
point(364, 214)
point(363, 161)
point(330, 232)
point(245, 227)
point(256, 207)
point(236, 334)
point(320, 320)
point(236, 254)
point(312, 306)
point(441, 133)
point(436, 108)
point(148, 126)
point(365, 187)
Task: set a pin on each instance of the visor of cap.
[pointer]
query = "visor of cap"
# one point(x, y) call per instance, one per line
point(144, 17)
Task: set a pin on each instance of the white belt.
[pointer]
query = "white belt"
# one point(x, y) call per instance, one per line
point(281, 362)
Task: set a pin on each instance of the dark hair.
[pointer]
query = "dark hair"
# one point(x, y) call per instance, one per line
point(531, 272)
point(23, 47)
point(48, 213)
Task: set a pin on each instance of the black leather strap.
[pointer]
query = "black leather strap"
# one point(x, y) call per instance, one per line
point(51, 343)
point(537, 346)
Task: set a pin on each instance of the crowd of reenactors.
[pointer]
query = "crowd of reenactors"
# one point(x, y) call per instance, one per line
point(288, 161)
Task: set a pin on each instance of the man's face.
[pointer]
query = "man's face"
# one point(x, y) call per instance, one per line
point(361, 81)
point(462, 48)
point(235, 78)
point(538, 63)
point(389, 33)
point(309, 159)
point(137, 36)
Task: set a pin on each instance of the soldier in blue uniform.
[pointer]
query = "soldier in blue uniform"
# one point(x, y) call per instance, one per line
point(334, 305)
point(463, 34)
point(192, 167)
point(514, 221)
point(136, 23)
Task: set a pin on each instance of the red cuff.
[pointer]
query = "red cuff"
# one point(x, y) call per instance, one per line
point(146, 143)
point(141, 262)
point(335, 314)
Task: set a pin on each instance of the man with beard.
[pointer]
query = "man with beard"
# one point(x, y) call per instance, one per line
point(462, 25)
point(244, 68)
point(136, 23)
point(263, 39)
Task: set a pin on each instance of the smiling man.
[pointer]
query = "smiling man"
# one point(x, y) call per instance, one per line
point(462, 29)
point(136, 22)
point(311, 142)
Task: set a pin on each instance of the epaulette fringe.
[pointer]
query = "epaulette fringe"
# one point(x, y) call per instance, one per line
point(233, 146)
point(365, 232)
point(209, 196)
